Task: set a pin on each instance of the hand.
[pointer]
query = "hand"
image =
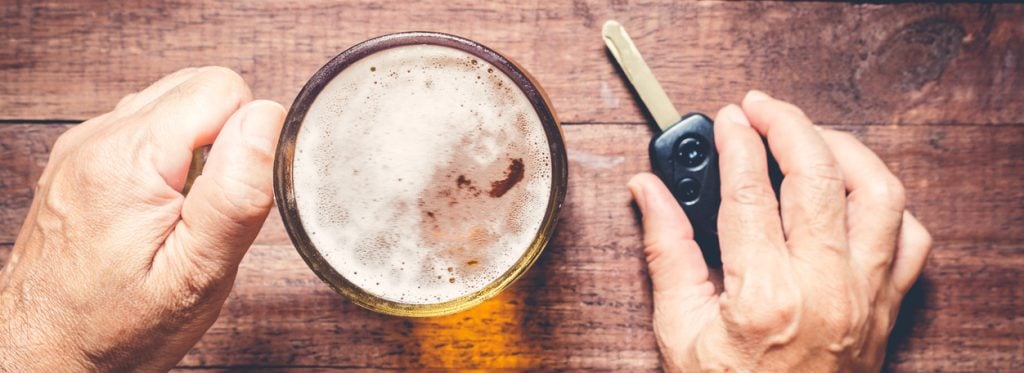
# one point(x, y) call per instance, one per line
point(115, 269)
point(812, 282)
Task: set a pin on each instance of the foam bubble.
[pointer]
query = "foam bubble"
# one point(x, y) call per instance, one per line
point(421, 174)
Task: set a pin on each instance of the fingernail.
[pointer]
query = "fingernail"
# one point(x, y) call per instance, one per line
point(733, 114)
point(638, 194)
point(755, 96)
point(261, 124)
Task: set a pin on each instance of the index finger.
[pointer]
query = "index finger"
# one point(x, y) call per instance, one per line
point(813, 195)
point(191, 115)
point(748, 218)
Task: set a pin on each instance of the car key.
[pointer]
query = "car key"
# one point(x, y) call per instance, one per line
point(683, 154)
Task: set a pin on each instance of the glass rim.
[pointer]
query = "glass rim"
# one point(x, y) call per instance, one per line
point(284, 193)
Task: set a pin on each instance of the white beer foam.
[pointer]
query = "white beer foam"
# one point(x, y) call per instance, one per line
point(397, 173)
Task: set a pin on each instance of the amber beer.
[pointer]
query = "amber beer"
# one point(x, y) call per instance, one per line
point(419, 173)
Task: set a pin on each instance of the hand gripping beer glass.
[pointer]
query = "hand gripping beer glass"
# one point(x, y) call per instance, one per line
point(420, 173)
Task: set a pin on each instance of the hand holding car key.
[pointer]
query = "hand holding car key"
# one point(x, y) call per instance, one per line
point(683, 155)
point(811, 275)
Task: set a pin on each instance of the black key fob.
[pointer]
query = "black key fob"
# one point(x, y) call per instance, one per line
point(685, 159)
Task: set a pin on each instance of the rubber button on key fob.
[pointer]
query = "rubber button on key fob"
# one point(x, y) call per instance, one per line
point(692, 151)
point(688, 189)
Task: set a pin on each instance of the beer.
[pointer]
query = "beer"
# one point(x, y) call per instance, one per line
point(423, 175)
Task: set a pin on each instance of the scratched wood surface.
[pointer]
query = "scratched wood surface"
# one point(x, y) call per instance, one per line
point(934, 89)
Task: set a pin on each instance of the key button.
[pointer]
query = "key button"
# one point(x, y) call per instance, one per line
point(692, 151)
point(688, 190)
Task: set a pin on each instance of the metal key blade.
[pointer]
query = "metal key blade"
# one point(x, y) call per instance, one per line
point(639, 75)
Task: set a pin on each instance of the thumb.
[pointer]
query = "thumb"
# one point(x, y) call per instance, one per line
point(683, 294)
point(229, 201)
point(677, 267)
point(674, 260)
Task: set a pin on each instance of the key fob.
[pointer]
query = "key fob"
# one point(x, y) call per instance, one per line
point(685, 159)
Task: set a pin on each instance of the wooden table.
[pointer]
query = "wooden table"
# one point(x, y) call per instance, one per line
point(936, 90)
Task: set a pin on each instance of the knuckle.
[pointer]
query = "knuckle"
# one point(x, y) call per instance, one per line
point(101, 163)
point(823, 176)
point(918, 242)
point(889, 192)
point(793, 111)
point(86, 168)
point(654, 252)
point(830, 244)
point(240, 200)
point(124, 100)
point(782, 111)
point(224, 78)
point(748, 192)
point(843, 136)
point(223, 72)
point(728, 112)
point(926, 242)
point(56, 200)
point(825, 169)
point(849, 137)
point(765, 306)
point(91, 157)
point(184, 71)
point(768, 318)
point(840, 316)
point(65, 141)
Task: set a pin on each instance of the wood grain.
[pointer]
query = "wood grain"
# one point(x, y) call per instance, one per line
point(24, 149)
point(844, 63)
point(934, 89)
point(586, 303)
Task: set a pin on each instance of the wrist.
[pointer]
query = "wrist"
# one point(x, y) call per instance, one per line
point(31, 344)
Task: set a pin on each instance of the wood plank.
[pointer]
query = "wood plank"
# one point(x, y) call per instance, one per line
point(845, 63)
point(279, 315)
point(962, 317)
point(5, 252)
point(962, 180)
point(24, 150)
point(586, 304)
